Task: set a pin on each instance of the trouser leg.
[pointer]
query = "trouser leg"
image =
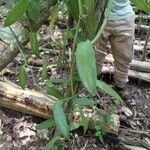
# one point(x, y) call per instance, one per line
point(101, 48)
point(122, 49)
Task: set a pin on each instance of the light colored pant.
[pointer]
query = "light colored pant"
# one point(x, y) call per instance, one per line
point(120, 34)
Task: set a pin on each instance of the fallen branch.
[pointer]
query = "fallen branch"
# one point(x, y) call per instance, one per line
point(132, 73)
point(143, 28)
point(36, 103)
point(143, 66)
point(26, 101)
point(135, 142)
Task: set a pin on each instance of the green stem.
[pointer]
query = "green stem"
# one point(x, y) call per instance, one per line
point(107, 12)
point(25, 60)
point(74, 46)
point(74, 96)
point(99, 32)
point(19, 44)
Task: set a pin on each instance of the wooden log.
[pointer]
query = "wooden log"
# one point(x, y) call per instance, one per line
point(95, 118)
point(20, 29)
point(131, 73)
point(27, 101)
point(143, 28)
point(143, 66)
point(36, 103)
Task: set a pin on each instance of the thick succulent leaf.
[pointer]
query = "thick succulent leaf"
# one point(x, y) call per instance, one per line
point(51, 143)
point(89, 21)
point(53, 90)
point(34, 10)
point(34, 43)
point(73, 8)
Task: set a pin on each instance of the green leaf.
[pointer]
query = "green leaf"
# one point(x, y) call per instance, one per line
point(89, 21)
point(53, 13)
point(74, 125)
point(73, 8)
point(86, 65)
point(44, 74)
point(16, 13)
point(22, 76)
point(106, 88)
point(60, 119)
point(34, 43)
point(142, 5)
point(52, 89)
point(50, 145)
point(84, 102)
point(103, 21)
point(108, 8)
point(34, 10)
point(46, 124)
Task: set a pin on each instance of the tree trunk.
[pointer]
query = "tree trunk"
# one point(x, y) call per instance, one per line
point(11, 48)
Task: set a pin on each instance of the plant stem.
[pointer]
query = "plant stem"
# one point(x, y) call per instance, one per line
point(99, 32)
point(24, 58)
point(74, 96)
point(73, 49)
point(19, 44)
point(107, 12)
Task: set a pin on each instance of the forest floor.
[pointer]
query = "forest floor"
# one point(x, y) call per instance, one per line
point(18, 130)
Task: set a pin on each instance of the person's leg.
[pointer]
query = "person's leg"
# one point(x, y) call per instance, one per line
point(122, 49)
point(101, 47)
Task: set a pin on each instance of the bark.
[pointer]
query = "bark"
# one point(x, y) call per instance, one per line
point(36, 103)
point(20, 28)
point(143, 66)
point(145, 46)
point(27, 101)
point(131, 73)
point(143, 28)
